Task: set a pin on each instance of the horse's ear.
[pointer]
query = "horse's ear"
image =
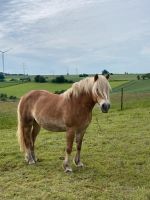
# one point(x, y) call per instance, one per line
point(107, 76)
point(95, 77)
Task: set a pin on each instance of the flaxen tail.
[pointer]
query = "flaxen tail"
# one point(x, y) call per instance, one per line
point(20, 133)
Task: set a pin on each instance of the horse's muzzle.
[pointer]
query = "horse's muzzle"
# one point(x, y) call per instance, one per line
point(105, 107)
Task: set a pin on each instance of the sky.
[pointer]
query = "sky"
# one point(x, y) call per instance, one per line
point(75, 36)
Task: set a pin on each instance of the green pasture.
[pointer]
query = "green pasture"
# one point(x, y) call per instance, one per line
point(115, 153)
point(21, 89)
point(16, 88)
point(8, 84)
point(127, 77)
point(115, 84)
point(134, 86)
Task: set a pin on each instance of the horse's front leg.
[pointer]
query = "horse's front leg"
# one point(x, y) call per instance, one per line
point(70, 138)
point(79, 138)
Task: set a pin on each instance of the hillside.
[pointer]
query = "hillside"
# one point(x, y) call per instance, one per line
point(134, 86)
point(20, 89)
point(128, 82)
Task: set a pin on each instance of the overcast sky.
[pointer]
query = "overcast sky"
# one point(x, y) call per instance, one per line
point(75, 36)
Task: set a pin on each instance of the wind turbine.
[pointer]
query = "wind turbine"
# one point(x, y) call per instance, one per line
point(3, 53)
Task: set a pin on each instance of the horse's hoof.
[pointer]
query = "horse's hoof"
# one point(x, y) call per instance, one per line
point(31, 162)
point(79, 164)
point(68, 170)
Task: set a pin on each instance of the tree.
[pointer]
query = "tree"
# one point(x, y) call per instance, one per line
point(2, 77)
point(39, 79)
point(83, 75)
point(138, 77)
point(146, 76)
point(61, 79)
point(106, 73)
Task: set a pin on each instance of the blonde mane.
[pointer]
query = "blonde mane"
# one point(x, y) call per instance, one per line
point(99, 87)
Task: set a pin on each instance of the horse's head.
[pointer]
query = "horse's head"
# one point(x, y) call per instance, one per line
point(101, 90)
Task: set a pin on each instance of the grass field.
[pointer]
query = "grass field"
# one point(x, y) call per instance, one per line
point(134, 86)
point(127, 77)
point(21, 89)
point(116, 154)
point(8, 84)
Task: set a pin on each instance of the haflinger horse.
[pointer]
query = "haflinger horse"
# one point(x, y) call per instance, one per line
point(70, 112)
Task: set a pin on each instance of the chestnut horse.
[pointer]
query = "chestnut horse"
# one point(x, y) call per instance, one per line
point(70, 112)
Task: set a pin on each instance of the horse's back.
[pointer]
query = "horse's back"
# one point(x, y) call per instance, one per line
point(34, 98)
point(44, 107)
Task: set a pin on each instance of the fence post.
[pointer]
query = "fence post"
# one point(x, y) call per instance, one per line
point(121, 98)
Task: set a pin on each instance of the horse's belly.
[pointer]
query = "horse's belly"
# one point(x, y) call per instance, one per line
point(53, 126)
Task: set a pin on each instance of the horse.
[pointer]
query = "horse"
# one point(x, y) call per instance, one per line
point(70, 111)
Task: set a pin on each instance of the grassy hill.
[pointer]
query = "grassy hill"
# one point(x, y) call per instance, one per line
point(127, 77)
point(20, 89)
point(8, 84)
point(134, 86)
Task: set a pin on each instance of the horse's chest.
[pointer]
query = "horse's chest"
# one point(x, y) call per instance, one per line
point(80, 119)
point(84, 120)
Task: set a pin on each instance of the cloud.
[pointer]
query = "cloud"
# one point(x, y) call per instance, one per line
point(83, 33)
point(146, 51)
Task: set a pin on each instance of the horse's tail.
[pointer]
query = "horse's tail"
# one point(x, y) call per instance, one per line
point(20, 132)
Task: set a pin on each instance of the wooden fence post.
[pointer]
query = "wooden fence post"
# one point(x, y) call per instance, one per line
point(121, 98)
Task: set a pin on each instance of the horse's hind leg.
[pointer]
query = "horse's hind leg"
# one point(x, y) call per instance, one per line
point(28, 141)
point(35, 131)
point(79, 138)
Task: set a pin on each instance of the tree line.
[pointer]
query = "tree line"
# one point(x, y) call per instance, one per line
point(143, 76)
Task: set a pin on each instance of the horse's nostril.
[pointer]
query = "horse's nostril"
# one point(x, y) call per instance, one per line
point(105, 107)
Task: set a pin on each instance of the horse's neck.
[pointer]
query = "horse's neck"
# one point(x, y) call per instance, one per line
point(85, 100)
